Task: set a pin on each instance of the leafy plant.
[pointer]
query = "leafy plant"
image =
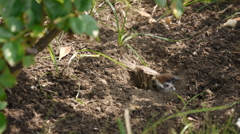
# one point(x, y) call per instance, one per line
point(181, 114)
point(207, 127)
point(120, 30)
point(123, 37)
point(177, 6)
point(28, 27)
point(187, 127)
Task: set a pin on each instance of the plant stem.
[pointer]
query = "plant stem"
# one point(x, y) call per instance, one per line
point(39, 46)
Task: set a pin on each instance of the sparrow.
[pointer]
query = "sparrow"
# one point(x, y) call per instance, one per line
point(148, 79)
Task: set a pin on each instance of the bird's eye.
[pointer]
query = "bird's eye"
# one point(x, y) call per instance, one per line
point(166, 85)
point(171, 81)
point(168, 80)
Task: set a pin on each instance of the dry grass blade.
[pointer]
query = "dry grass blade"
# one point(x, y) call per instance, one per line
point(127, 121)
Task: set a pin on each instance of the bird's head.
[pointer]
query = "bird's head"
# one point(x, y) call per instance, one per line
point(165, 82)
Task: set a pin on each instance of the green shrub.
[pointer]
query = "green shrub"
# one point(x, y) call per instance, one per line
point(28, 26)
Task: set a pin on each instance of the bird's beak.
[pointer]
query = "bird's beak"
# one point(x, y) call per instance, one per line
point(176, 78)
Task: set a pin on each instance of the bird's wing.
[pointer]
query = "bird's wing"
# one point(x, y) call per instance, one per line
point(135, 67)
point(147, 70)
point(129, 65)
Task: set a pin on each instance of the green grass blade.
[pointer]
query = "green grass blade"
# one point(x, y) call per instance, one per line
point(103, 56)
point(104, 24)
point(206, 5)
point(165, 14)
point(53, 57)
point(179, 98)
point(186, 127)
point(191, 2)
point(121, 33)
point(150, 121)
point(121, 126)
point(234, 103)
point(181, 114)
point(129, 37)
point(192, 99)
point(229, 122)
point(123, 37)
point(115, 14)
point(163, 38)
point(139, 57)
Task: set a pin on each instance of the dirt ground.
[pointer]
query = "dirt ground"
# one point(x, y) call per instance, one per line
point(208, 59)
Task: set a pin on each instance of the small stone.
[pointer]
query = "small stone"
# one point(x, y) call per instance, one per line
point(238, 78)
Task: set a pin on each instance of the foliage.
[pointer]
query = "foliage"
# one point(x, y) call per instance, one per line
point(120, 30)
point(28, 26)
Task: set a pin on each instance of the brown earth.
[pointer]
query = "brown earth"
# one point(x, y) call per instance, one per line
point(208, 59)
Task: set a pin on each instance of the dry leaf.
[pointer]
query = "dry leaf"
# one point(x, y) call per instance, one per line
point(191, 119)
point(64, 51)
point(145, 14)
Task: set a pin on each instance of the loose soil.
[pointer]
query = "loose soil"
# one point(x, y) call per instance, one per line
point(206, 59)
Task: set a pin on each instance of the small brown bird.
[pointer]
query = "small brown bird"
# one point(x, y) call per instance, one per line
point(147, 78)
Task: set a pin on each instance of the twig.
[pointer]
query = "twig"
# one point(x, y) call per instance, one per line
point(39, 46)
point(235, 52)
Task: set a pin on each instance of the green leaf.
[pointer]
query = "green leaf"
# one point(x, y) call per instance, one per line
point(90, 25)
point(3, 104)
point(2, 64)
point(3, 123)
point(53, 8)
point(63, 24)
point(28, 60)
point(57, 9)
point(33, 12)
point(38, 1)
point(3, 94)
point(76, 25)
point(37, 31)
point(67, 6)
point(5, 34)
point(13, 52)
point(2, 2)
point(14, 24)
point(61, 1)
point(12, 8)
point(161, 3)
point(178, 8)
point(83, 5)
point(7, 79)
